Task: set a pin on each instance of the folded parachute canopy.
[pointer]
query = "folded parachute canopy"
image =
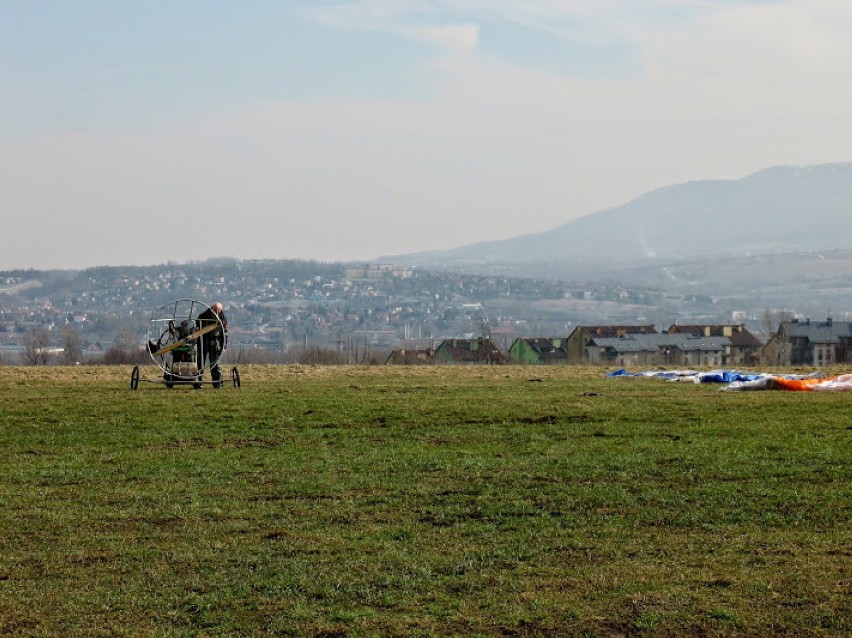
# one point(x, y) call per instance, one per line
point(839, 383)
point(714, 376)
point(739, 381)
point(668, 375)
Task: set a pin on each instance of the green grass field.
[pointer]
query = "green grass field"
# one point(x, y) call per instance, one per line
point(348, 501)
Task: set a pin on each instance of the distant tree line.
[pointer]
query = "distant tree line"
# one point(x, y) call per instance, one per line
point(38, 349)
point(125, 350)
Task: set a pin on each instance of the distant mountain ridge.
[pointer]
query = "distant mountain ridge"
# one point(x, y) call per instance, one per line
point(777, 210)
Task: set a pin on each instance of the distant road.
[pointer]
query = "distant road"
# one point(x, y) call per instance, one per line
point(16, 288)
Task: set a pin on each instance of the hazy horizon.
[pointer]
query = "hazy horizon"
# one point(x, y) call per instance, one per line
point(341, 131)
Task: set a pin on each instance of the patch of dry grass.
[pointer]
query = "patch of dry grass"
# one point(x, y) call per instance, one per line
point(420, 501)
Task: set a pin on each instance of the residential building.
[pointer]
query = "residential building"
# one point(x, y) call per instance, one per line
point(411, 357)
point(469, 351)
point(580, 337)
point(539, 350)
point(813, 343)
point(744, 348)
point(657, 349)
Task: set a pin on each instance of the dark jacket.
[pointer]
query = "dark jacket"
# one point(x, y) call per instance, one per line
point(215, 339)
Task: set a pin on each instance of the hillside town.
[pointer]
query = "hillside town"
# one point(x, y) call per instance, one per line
point(288, 311)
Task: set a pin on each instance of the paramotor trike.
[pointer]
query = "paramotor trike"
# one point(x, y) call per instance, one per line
point(185, 338)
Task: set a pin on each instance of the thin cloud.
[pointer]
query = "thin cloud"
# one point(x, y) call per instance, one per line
point(584, 20)
point(459, 38)
point(486, 148)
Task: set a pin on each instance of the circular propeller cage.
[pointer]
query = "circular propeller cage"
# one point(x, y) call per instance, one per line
point(176, 338)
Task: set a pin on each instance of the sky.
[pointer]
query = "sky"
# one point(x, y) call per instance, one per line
point(136, 133)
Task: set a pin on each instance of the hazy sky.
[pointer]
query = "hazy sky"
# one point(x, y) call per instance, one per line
point(147, 132)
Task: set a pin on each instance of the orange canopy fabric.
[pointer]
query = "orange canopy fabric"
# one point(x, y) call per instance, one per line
point(798, 385)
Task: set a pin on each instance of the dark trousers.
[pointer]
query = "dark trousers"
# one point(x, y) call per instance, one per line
point(213, 350)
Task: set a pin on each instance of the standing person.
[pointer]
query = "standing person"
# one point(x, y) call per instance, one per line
point(213, 343)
